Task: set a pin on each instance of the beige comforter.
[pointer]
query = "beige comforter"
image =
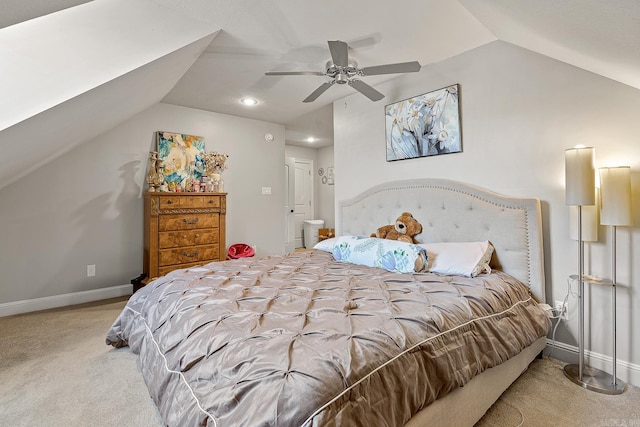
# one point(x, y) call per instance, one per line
point(305, 340)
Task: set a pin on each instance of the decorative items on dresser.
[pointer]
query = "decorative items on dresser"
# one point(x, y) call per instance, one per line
point(181, 164)
point(182, 230)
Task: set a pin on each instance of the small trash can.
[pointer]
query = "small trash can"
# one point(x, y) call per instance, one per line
point(311, 228)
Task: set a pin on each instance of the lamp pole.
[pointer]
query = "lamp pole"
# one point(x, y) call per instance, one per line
point(580, 296)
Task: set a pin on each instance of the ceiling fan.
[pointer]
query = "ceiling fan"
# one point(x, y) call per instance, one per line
point(343, 69)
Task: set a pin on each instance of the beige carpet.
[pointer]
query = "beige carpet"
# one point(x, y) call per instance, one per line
point(55, 370)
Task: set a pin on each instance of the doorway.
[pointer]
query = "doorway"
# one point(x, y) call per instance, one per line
point(299, 200)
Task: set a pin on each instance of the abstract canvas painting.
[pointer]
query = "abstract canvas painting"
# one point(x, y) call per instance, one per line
point(181, 156)
point(424, 125)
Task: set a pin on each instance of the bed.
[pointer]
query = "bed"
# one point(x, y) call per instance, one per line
point(304, 339)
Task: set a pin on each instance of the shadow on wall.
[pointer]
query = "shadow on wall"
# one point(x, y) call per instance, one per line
point(129, 208)
point(108, 233)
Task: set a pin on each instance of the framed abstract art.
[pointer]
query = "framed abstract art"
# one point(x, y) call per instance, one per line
point(179, 153)
point(424, 125)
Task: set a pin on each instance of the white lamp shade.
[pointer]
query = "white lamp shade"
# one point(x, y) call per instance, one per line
point(580, 176)
point(589, 223)
point(615, 193)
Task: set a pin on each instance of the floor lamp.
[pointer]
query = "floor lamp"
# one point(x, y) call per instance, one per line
point(615, 210)
point(580, 190)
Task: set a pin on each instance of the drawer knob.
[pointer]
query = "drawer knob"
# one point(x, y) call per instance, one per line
point(192, 255)
point(169, 202)
point(211, 201)
point(190, 221)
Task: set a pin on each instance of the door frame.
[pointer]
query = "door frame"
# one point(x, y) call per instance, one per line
point(289, 208)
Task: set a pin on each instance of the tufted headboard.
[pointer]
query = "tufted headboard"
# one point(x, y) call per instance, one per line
point(455, 211)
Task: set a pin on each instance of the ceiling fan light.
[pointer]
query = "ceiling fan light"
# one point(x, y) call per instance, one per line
point(342, 78)
point(332, 70)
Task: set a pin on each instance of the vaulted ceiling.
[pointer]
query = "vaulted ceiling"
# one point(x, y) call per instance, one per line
point(217, 52)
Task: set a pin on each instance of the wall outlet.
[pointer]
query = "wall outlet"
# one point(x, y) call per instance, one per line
point(91, 270)
point(560, 309)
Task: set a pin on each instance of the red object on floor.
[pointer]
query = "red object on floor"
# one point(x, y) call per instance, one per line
point(240, 250)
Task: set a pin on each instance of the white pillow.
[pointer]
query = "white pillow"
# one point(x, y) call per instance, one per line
point(461, 258)
point(326, 244)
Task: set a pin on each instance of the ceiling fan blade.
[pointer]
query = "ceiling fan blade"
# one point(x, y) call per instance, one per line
point(366, 90)
point(339, 53)
point(401, 67)
point(316, 93)
point(294, 73)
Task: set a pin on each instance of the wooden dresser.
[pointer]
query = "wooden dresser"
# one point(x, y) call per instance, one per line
point(182, 230)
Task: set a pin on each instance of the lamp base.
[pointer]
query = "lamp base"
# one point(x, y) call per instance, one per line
point(594, 379)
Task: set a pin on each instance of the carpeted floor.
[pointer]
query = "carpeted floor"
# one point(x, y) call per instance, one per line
point(543, 396)
point(55, 370)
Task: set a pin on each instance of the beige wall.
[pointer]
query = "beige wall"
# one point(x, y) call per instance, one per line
point(86, 208)
point(519, 112)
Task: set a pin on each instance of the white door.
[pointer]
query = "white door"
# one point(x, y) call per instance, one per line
point(289, 208)
point(303, 196)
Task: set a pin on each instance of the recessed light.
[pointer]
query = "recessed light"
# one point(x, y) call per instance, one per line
point(248, 101)
point(311, 139)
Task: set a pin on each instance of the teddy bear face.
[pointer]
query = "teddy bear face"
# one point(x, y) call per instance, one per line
point(406, 224)
point(400, 227)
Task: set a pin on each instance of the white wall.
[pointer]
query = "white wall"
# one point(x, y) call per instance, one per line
point(86, 207)
point(519, 112)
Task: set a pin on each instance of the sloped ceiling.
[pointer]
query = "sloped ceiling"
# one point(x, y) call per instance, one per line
point(71, 75)
point(599, 36)
point(16, 11)
point(258, 36)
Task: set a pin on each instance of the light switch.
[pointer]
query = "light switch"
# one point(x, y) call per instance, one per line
point(266, 190)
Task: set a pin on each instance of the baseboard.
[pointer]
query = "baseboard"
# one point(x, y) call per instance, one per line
point(625, 371)
point(55, 301)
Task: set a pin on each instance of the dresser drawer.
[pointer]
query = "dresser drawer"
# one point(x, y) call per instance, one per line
point(169, 202)
point(188, 221)
point(188, 255)
point(191, 202)
point(183, 202)
point(211, 202)
point(174, 239)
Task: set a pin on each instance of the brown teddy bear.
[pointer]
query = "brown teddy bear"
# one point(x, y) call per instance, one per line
point(405, 228)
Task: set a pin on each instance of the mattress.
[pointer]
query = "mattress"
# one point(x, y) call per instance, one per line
point(305, 340)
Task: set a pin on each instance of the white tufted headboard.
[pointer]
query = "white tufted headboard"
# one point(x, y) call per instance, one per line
point(454, 211)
